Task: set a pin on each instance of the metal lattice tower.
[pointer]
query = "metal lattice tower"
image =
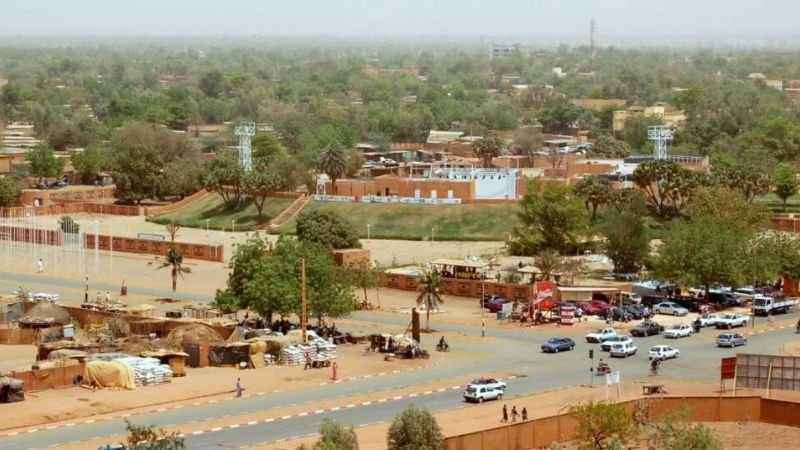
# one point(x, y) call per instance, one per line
point(660, 135)
point(245, 131)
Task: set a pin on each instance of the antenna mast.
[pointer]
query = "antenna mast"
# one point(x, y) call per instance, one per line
point(660, 135)
point(592, 38)
point(245, 131)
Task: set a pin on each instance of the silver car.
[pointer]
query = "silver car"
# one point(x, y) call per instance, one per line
point(731, 340)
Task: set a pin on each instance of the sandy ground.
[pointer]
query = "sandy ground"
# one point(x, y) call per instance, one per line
point(73, 402)
point(472, 417)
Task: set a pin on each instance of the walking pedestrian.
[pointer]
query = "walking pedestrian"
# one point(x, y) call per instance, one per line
point(40, 266)
point(505, 414)
point(514, 414)
point(97, 297)
point(308, 361)
point(239, 388)
point(108, 296)
point(524, 414)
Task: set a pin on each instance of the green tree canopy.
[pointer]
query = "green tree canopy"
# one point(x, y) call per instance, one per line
point(268, 280)
point(328, 229)
point(627, 241)
point(601, 423)
point(608, 147)
point(414, 429)
point(550, 217)
point(334, 436)
point(91, 161)
point(44, 162)
point(666, 185)
point(702, 251)
point(9, 192)
point(265, 146)
point(595, 190)
point(225, 176)
point(785, 181)
point(488, 148)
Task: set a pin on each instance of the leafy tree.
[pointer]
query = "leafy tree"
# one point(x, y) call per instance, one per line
point(673, 430)
point(785, 180)
point(136, 172)
point(147, 437)
point(550, 217)
point(9, 192)
point(270, 176)
point(44, 162)
point(414, 429)
point(173, 260)
point(750, 179)
point(595, 190)
point(627, 240)
point(728, 206)
point(528, 140)
point(68, 225)
point(328, 229)
point(635, 132)
point(225, 176)
point(666, 185)
point(430, 294)
point(334, 436)
point(268, 280)
point(608, 147)
point(362, 275)
point(181, 177)
point(702, 251)
point(778, 135)
point(600, 423)
point(90, 162)
point(487, 148)
point(333, 162)
point(265, 146)
point(212, 83)
point(774, 255)
point(245, 263)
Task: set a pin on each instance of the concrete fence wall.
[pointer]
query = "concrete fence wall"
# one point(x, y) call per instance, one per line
point(462, 288)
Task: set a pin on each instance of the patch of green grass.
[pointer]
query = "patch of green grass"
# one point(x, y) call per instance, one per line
point(414, 222)
point(219, 217)
point(775, 205)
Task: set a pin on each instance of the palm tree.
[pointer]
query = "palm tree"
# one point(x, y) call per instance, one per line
point(174, 259)
point(429, 295)
point(333, 162)
point(487, 148)
point(549, 263)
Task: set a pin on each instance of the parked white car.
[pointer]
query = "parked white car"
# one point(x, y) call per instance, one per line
point(623, 349)
point(678, 330)
point(601, 335)
point(709, 320)
point(670, 308)
point(731, 320)
point(662, 352)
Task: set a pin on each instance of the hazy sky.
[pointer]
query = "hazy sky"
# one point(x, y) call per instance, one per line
point(398, 17)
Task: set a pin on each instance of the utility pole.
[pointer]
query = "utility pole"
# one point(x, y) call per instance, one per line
point(303, 302)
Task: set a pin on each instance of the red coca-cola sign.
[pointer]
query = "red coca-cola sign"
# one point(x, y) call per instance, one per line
point(544, 294)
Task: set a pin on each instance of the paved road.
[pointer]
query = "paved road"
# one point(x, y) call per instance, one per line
point(515, 351)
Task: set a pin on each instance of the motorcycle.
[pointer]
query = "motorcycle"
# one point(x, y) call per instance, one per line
point(442, 347)
point(603, 370)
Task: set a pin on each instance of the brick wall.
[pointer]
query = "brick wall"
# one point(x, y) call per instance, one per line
point(152, 247)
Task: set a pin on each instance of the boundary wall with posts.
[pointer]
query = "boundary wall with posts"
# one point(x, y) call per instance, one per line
point(153, 247)
point(543, 432)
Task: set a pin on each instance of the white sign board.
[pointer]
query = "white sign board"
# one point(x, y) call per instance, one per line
point(151, 236)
